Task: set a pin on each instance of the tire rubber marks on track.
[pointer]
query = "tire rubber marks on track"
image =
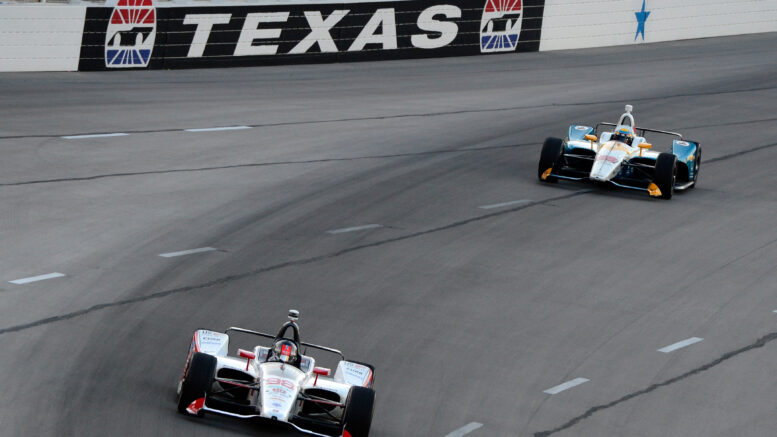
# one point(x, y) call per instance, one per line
point(680, 344)
point(23, 281)
point(464, 430)
point(354, 229)
point(187, 252)
point(266, 164)
point(286, 264)
point(566, 386)
point(456, 112)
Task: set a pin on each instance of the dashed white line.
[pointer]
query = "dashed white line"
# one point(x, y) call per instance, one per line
point(37, 278)
point(680, 344)
point(504, 204)
point(353, 229)
point(187, 252)
point(464, 430)
point(78, 137)
point(565, 386)
point(216, 129)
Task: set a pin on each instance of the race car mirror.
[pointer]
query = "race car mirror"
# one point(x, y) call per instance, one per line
point(590, 137)
point(322, 371)
point(643, 147)
point(247, 355)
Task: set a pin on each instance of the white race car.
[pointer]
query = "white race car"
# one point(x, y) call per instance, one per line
point(622, 157)
point(277, 383)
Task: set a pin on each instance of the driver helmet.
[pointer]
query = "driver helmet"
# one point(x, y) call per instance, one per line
point(285, 351)
point(623, 134)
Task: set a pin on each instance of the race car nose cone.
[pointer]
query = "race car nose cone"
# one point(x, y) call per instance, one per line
point(603, 170)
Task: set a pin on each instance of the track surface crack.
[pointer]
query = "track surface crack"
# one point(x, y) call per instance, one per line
point(761, 342)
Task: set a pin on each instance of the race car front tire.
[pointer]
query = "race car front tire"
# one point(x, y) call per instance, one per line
point(197, 381)
point(665, 174)
point(358, 412)
point(549, 157)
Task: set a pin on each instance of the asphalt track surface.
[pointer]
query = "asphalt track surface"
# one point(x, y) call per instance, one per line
point(469, 314)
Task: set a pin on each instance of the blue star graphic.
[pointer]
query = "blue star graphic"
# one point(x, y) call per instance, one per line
point(642, 16)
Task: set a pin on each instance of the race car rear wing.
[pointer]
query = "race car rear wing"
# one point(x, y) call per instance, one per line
point(640, 130)
point(272, 337)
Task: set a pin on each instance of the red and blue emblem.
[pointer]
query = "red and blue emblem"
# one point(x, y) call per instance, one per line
point(500, 25)
point(129, 39)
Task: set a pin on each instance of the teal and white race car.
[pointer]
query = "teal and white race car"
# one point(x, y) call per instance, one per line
point(622, 157)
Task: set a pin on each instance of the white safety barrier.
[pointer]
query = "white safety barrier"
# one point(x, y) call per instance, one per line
point(574, 24)
point(40, 37)
point(45, 37)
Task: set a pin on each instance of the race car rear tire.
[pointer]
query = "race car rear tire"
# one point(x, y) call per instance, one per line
point(696, 166)
point(358, 412)
point(197, 381)
point(665, 174)
point(549, 157)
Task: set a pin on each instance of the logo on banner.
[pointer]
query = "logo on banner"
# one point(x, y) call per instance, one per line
point(130, 36)
point(642, 17)
point(500, 25)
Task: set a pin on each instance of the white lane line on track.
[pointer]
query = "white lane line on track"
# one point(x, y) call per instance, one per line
point(566, 386)
point(216, 129)
point(680, 344)
point(187, 252)
point(504, 204)
point(37, 278)
point(78, 137)
point(354, 229)
point(464, 430)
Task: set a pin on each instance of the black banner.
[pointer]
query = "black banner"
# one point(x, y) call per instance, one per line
point(135, 34)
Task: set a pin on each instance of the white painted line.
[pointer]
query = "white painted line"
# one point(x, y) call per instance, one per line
point(565, 386)
point(680, 344)
point(503, 204)
point(216, 129)
point(36, 278)
point(78, 137)
point(353, 229)
point(775, 311)
point(187, 252)
point(464, 430)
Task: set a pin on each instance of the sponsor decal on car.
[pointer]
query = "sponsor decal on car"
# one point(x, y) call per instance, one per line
point(607, 158)
point(355, 374)
point(129, 38)
point(211, 342)
point(500, 26)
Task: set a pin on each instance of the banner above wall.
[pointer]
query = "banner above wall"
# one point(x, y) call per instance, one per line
point(135, 34)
